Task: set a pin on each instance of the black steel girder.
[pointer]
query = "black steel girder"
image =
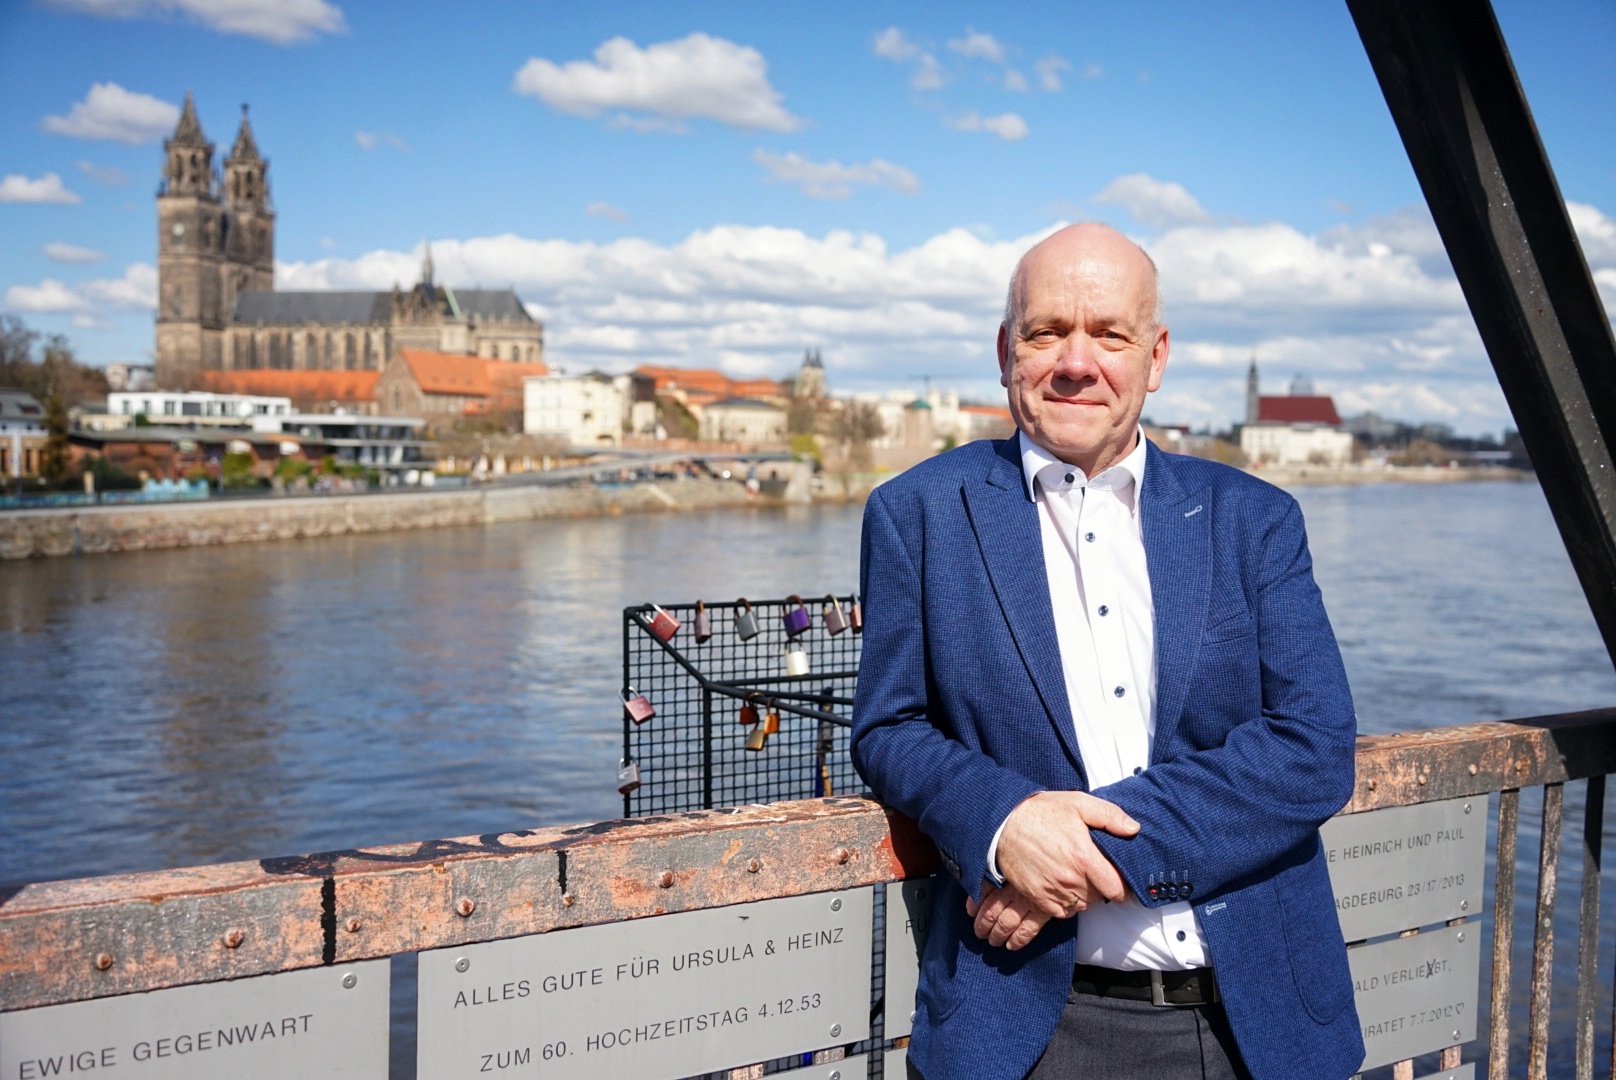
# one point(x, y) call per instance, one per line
point(1463, 117)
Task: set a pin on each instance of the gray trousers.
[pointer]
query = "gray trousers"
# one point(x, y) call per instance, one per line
point(1114, 1039)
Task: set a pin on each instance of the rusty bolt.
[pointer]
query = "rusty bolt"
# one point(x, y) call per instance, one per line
point(1424, 777)
point(1373, 785)
point(1473, 769)
point(465, 906)
point(754, 866)
point(567, 899)
point(666, 880)
point(232, 938)
point(353, 926)
point(842, 855)
point(103, 961)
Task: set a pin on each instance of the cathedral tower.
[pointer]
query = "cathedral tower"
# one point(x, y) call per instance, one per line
point(190, 225)
point(249, 248)
point(1253, 393)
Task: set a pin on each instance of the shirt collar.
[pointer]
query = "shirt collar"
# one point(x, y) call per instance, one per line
point(1035, 459)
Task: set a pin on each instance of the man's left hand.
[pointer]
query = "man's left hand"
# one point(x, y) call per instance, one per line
point(1005, 916)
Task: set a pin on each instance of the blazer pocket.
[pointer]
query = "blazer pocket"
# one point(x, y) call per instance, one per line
point(1313, 938)
point(1234, 625)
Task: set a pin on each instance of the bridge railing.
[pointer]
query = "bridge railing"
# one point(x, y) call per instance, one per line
point(102, 938)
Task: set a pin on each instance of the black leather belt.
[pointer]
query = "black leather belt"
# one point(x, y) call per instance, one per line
point(1166, 988)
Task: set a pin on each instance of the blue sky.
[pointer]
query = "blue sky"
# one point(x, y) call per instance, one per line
point(725, 184)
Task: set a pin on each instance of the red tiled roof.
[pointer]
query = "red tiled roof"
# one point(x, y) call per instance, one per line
point(339, 386)
point(705, 384)
point(466, 376)
point(1297, 409)
point(986, 410)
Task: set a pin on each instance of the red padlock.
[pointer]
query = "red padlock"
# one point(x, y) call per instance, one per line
point(663, 625)
point(749, 713)
point(636, 706)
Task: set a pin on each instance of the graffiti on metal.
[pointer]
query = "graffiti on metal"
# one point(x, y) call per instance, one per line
point(1407, 866)
point(655, 998)
point(1417, 994)
point(908, 915)
point(326, 1022)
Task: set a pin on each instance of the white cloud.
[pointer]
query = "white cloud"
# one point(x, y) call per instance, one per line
point(696, 77)
point(109, 176)
point(1015, 80)
point(1007, 126)
point(606, 210)
point(370, 140)
point(1049, 72)
point(893, 44)
point(832, 179)
point(1595, 232)
point(978, 46)
point(109, 111)
point(1151, 201)
point(280, 22)
point(49, 188)
point(136, 290)
point(56, 251)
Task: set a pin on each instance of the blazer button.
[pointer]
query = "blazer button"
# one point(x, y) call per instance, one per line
point(1155, 891)
point(1186, 889)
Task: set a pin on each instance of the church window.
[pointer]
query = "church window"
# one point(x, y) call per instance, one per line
point(398, 400)
point(327, 363)
point(348, 352)
point(370, 353)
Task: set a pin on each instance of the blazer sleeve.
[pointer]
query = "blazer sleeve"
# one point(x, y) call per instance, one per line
point(957, 794)
point(1213, 817)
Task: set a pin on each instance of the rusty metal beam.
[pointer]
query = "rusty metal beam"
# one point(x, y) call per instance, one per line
point(223, 922)
point(1459, 107)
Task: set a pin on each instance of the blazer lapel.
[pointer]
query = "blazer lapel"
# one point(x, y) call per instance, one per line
point(1005, 520)
point(1176, 523)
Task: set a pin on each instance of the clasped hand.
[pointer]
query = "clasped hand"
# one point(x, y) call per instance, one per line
point(1051, 866)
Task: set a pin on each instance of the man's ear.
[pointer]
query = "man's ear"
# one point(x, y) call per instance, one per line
point(1158, 360)
point(1005, 357)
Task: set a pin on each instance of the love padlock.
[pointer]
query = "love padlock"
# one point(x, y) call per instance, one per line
point(796, 659)
point(704, 624)
point(771, 721)
point(746, 621)
point(855, 615)
point(636, 706)
point(796, 620)
point(757, 739)
point(749, 714)
point(628, 776)
point(835, 620)
point(663, 625)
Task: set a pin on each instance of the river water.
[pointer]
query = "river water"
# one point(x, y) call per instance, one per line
point(170, 708)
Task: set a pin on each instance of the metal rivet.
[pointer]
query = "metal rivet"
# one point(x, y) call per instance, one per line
point(232, 938)
point(465, 906)
point(349, 981)
point(913, 1014)
point(1456, 1035)
point(462, 964)
point(836, 1074)
point(835, 1030)
point(842, 855)
point(836, 904)
point(1467, 808)
point(1461, 935)
point(353, 925)
point(754, 866)
point(1464, 905)
point(1473, 771)
point(666, 880)
point(103, 961)
point(567, 899)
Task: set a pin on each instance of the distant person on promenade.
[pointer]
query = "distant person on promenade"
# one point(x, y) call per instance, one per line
point(1101, 678)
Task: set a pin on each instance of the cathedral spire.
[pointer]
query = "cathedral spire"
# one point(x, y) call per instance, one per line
point(189, 130)
point(426, 267)
point(246, 148)
point(189, 168)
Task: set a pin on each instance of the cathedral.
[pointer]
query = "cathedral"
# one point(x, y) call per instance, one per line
point(217, 308)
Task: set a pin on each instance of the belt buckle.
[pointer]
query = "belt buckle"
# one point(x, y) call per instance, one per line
point(1158, 995)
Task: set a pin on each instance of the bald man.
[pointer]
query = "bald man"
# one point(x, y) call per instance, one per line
point(1101, 678)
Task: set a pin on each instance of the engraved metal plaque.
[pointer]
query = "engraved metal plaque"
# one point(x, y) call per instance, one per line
point(1407, 866)
point(1417, 994)
point(895, 1064)
point(908, 913)
point(306, 1024)
point(655, 998)
point(852, 1067)
point(1463, 1072)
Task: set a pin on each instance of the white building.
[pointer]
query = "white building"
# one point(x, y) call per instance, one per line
point(898, 424)
point(747, 421)
point(196, 407)
point(21, 412)
point(581, 410)
point(1296, 444)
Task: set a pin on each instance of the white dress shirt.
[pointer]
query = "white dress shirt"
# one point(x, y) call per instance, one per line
point(1094, 554)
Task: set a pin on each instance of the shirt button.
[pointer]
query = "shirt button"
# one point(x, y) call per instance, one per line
point(1104, 610)
point(1070, 478)
point(1089, 537)
point(1119, 691)
point(1181, 935)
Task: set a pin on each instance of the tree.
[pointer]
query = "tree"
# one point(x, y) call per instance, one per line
point(854, 426)
point(58, 369)
point(53, 458)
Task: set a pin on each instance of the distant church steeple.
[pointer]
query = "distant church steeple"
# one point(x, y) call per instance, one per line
point(426, 267)
point(1253, 395)
point(245, 171)
point(189, 168)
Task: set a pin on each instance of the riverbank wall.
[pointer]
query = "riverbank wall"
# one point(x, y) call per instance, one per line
point(102, 529)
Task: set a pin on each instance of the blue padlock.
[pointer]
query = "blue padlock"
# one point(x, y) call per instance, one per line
point(797, 620)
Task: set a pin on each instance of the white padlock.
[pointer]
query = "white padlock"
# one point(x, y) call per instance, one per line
point(796, 660)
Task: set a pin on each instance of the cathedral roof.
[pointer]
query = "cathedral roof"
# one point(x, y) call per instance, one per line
point(189, 131)
point(245, 148)
point(323, 308)
point(492, 304)
point(1297, 409)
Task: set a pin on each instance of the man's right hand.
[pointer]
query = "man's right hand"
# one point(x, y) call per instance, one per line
point(1046, 852)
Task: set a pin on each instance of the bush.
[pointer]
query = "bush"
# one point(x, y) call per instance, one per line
point(108, 477)
point(237, 471)
point(292, 468)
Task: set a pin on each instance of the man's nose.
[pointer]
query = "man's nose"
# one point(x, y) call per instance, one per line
point(1076, 360)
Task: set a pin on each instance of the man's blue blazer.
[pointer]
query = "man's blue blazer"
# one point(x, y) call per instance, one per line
point(962, 713)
